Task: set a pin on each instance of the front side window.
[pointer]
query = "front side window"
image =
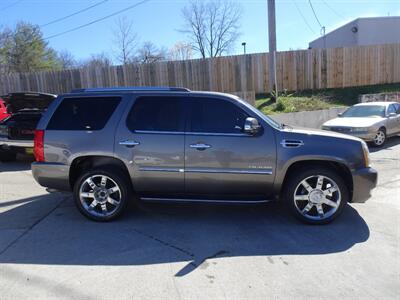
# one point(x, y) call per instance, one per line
point(391, 109)
point(85, 113)
point(151, 113)
point(210, 115)
point(397, 107)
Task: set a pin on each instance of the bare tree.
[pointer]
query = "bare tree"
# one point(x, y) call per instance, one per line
point(125, 40)
point(66, 59)
point(97, 60)
point(181, 51)
point(212, 26)
point(150, 53)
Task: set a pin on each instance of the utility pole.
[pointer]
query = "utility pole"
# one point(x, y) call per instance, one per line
point(272, 47)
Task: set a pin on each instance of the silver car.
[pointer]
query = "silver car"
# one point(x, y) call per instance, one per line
point(372, 122)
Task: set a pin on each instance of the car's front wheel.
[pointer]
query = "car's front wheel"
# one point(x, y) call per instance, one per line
point(380, 138)
point(316, 195)
point(102, 194)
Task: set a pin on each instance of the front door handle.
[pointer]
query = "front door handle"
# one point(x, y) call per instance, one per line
point(129, 143)
point(200, 146)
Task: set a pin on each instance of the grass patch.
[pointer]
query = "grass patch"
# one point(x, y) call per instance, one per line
point(319, 99)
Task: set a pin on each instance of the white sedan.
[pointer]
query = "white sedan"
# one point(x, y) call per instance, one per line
point(372, 121)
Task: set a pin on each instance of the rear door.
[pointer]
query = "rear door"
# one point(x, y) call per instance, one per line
point(150, 139)
point(222, 162)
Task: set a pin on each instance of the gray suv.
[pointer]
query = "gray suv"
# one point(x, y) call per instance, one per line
point(111, 146)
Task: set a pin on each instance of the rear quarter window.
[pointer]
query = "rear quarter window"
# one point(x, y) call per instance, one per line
point(85, 113)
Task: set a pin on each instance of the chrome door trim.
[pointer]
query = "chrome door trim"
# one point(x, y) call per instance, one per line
point(158, 169)
point(158, 132)
point(205, 201)
point(218, 134)
point(229, 171)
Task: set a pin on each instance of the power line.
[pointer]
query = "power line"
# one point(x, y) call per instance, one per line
point(334, 11)
point(302, 16)
point(74, 14)
point(97, 20)
point(10, 5)
point(315, 15)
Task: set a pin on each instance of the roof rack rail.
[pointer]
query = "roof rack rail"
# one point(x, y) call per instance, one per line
point(131, 89)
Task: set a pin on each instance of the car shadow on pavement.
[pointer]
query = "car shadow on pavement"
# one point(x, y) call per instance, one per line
point(23, 163)
point(393, 141)
point(157, 234)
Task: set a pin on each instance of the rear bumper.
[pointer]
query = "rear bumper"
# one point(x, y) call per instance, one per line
point(364, 180)
point(5, 142)
point(52, 175)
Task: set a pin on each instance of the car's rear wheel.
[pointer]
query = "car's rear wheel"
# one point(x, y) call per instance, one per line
point(102, 194)
point(7, 155)
point(380, 138)
point(316, 195)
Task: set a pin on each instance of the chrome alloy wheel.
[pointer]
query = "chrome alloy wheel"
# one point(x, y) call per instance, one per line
point(317, 197)
point(379, 138)
point(100, 195)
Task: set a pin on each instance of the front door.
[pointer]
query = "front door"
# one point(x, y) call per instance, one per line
point(222, 162)
point(151, 141)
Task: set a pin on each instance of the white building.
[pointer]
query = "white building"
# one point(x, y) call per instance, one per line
point(362, 31)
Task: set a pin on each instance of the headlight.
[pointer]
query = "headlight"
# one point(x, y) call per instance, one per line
point(366, 153)
point(359, 129)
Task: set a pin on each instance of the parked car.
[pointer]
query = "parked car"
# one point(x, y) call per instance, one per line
point(175, 145)
point(17, 129)
point(3, 110)
point(372, 122)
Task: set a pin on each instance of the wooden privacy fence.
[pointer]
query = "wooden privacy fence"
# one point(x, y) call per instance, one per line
point(296, 70)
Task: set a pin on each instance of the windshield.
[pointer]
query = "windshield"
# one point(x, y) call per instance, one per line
point(363, 111)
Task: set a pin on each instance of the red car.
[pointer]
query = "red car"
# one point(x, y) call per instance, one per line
point(3, 110)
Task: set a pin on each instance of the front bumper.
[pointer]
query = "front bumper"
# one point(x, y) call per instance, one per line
point(6, 142)
point(366, 136)
point(52, 175)
point(364, 180)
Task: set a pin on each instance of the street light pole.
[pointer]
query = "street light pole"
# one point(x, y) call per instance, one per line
point(244, 47)
point(272, 48)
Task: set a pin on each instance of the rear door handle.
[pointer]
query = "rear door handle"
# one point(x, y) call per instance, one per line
point(200, 146)
point(129, 143)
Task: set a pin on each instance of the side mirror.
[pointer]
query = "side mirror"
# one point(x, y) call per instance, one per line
point(392, 114)
point(251, 126)
point(340, 115)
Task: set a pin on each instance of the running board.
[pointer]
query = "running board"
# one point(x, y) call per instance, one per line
point(148, 199)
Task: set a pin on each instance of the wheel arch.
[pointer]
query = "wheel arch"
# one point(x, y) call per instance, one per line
point(83, 163)
point(340, 167)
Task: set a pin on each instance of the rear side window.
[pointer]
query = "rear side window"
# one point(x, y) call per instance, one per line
point(216, 116)
point(83, 113)
point(156, 114)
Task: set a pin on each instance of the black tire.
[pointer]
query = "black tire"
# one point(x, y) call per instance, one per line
point(316, 199)
point(377, 142)
point(7, 155)
point(115, 176)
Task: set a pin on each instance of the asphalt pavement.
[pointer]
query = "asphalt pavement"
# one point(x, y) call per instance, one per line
point(48, 250)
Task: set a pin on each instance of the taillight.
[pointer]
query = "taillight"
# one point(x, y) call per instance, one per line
point(38, 148)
